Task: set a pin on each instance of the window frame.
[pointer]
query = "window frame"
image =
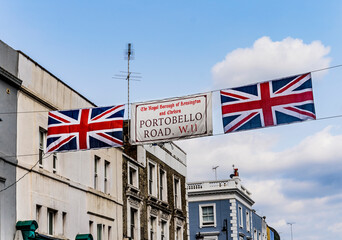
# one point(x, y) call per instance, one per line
point(64, 223)
point(106, 179)
point(162, 185)
point(201, 206)
point(152, 179)
point(41, 146)
point(240, 214)
point(136, 224)
point(178, 237)
point(164, 233)
point(248, 221)
point(131, 207)
point(96, 173)
point(38, 213)
point(152, 228)
point(99, 231)
point(54, 163)
point(135, 180)
point(177, 192)
point(51, 219)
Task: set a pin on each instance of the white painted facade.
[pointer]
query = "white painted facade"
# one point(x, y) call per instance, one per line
point(66, 194)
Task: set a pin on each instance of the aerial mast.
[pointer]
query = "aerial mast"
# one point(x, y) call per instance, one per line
point(129, 52)
point(129, 77)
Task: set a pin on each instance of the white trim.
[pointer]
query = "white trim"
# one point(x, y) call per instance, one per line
point(152, 226)
point(177, 225)
point(212, 237)
point(248, 220)
point(219, 196)
point(177, 204)
point(201, 214)
point(164, 184)
point(240, 216)
point(154, 178)
point(233, 215)
point(136, 182)
point(129, 206)
point(166, 233)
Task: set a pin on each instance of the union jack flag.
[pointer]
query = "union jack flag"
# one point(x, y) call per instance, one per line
point(266, 104)
point(85, 129)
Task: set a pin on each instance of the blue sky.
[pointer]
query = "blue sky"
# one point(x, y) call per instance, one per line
point(186, 47)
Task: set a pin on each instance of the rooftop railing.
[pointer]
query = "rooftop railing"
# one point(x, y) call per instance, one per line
point(217, 185)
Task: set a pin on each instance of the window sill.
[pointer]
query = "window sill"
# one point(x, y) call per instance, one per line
point(133, 188)
point(207, 226)
point(152, 198)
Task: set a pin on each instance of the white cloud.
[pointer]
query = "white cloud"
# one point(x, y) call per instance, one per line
point(253, 153)
point(315, 213)
point(267, 60)
point(275, 177)
point(336, 228)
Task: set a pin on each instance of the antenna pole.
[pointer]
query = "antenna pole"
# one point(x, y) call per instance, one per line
point(291, 223)
point(215, 169)
point(128, 75)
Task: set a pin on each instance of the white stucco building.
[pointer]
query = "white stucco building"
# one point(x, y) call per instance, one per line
point(66, 193)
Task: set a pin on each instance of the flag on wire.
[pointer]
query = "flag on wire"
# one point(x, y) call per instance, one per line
point(266, 104)
point(82, 129)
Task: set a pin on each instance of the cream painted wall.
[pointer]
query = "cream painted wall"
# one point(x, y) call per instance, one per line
point(70, 189)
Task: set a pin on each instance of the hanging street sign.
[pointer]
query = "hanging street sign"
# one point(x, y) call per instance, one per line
point(171, 119)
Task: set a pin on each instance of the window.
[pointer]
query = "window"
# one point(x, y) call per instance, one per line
point(162, 185)
point(42, 134)
point(178, 233)
point(134, 222)
point(106, 178)
point(38, 212)
point(207, 215)
point(152, 176)
point(133, 175)
point(255, 235)
point(54, 163)
point(177, 193)
point(240, 217)
point(91, 227)
point(99, 231)
point(248, 225)
point(63, 222)
point(152, 228)
point(96, 163)
point(51, 221)
point(163, 230)
point(109, 233)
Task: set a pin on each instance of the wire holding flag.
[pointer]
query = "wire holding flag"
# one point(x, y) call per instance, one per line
point(82, 129)
point(269, 103)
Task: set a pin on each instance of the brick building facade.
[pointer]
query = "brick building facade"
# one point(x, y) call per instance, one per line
point(154, 178)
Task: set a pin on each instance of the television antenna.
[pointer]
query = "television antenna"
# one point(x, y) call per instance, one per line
point(129, 76)
point(291, 223)
point(215, 170)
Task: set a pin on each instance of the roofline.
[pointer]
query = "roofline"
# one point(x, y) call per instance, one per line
point(221, 191)
point(25, 55)
point(10, 78)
